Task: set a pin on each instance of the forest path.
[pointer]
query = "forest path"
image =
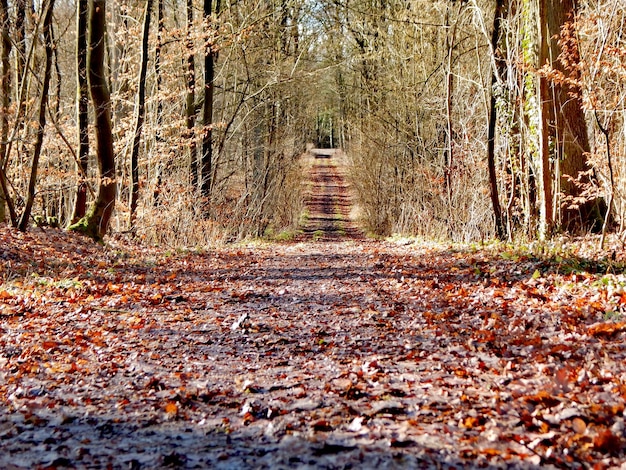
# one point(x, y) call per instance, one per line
point(328, 202)
point(341, 354)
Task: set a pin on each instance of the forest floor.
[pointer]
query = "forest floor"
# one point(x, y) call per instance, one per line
point(333, 352)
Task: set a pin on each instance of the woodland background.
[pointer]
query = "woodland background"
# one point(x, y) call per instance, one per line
point(461, 119)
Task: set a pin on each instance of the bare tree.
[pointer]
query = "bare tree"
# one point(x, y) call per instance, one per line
point(140, 110)
point(82, 98)
point(210, 55)
point(497, 68)
point(41, 121)
point(5, 62)
point(190, 95)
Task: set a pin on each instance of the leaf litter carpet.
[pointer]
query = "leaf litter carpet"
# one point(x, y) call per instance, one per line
point(334, 352)
point(307, 355)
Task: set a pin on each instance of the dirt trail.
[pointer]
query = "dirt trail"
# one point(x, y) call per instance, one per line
point(333, 355)
point(328, 202)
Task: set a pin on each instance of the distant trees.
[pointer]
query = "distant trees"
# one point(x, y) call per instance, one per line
point(462, 61)
point(463, 120)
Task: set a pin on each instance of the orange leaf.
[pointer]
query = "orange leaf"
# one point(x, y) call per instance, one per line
point(471, 422)
point(490, 451)
point(48, 345)
point(606, 328)
point(171, 408)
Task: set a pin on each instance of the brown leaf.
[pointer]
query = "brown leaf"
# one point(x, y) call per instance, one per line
point(607, 442)
point(322, 426)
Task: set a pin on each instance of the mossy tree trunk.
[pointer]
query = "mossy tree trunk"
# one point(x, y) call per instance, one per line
point(96, 222)
point(534, 137)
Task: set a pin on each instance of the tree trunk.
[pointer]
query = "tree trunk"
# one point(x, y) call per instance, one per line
point(140, 116)
point(157, 66)
point(564, 120)
point(41, 120)
point(190, 102)
point(209, 90)
point(80, 205)
point(448, 157)
point(159, 170)
point(449, 148)
point(96, 221)
point(491, 137)
point(5, 54)
point(539, 191)
point(20, 40)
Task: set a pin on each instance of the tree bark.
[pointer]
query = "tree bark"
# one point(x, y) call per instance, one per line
point(564, 121)
point(157, 66)
point(140, 116)
point(41, 120)
point(5, 102)
point(190, 101)
point(209, 91)
point(539, 189)
point(96, 222)
point(159, 110)
point(20, 40)
point(82, 14)
point(491, 136)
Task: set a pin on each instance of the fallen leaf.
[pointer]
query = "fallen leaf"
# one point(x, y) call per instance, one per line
point(171, 408)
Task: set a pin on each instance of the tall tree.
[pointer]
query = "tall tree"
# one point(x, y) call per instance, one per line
point(190, 95)
point(563, 119)
point(82, 98)
point(210, 55)
point(41, 120)
point(20, 39)
point(96, 222)
point(158, 72)
point(497, 69)
point(5, 62)
point(140, 110)
point(449, 156)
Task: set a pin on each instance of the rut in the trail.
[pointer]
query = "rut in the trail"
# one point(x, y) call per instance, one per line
point(328, 202)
